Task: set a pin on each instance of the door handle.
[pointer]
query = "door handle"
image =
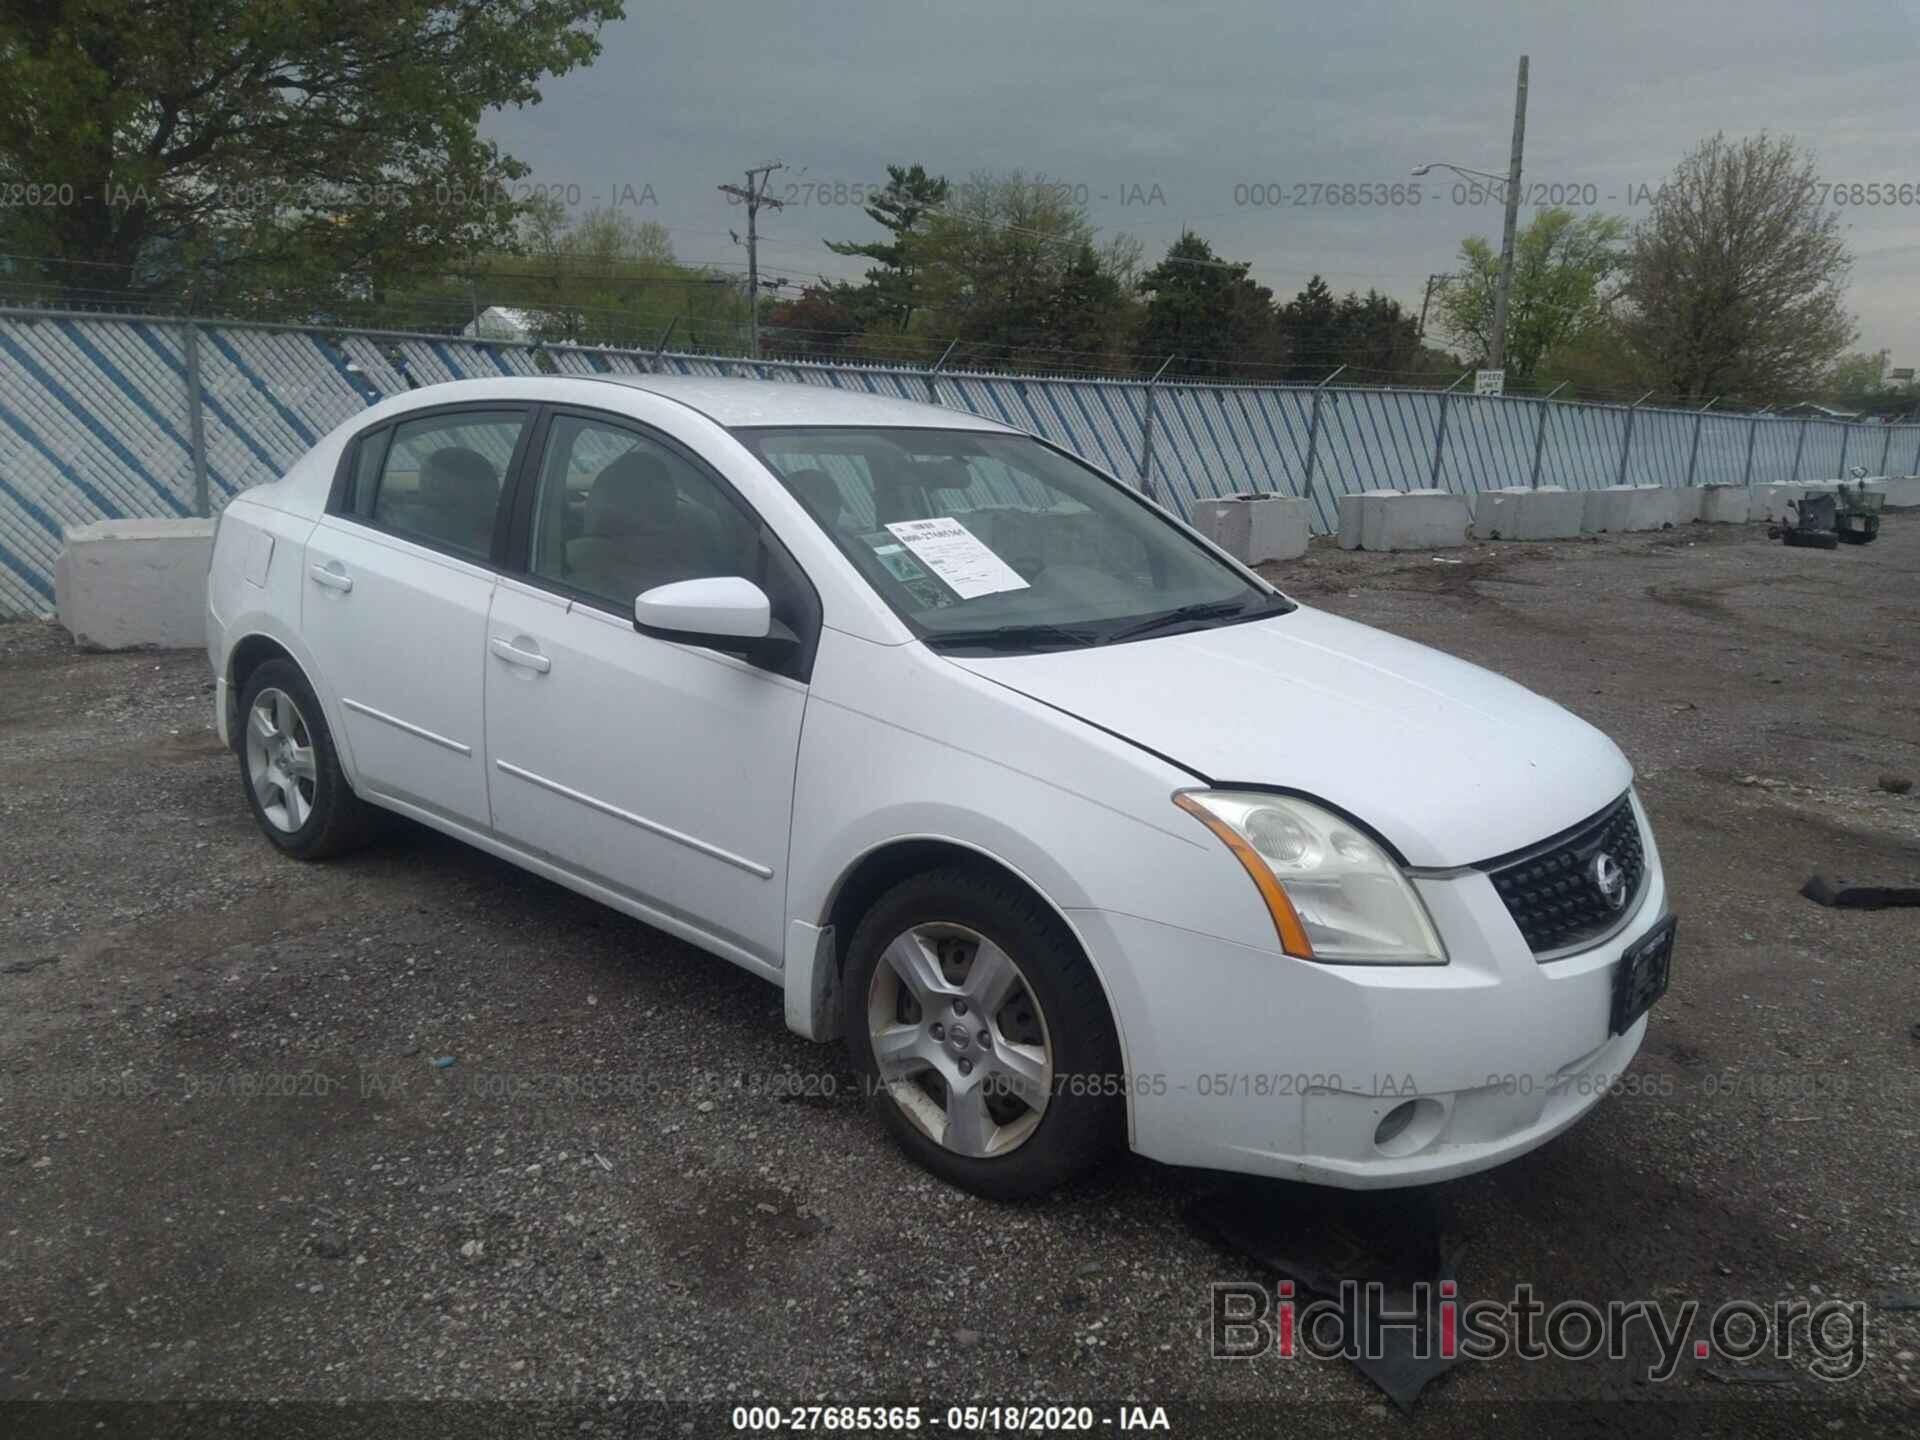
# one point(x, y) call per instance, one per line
point(331, 577)
point(514, 655)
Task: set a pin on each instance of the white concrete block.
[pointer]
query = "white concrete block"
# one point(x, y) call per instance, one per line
point(1404, 520)
point(1682, 504)
point(1347, 510)
point(1549, 513)
point(1725, 504)
point(1614, 508)
point(1256, 528)
point(122, 583)
point(1903, 491)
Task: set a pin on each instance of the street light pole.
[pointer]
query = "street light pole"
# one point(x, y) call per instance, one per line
point(1497, 358)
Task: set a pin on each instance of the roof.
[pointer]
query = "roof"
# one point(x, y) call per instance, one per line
point(773, 402)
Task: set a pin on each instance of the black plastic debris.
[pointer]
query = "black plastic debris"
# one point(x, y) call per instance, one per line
point(1851, 895)
point(1333, 1245)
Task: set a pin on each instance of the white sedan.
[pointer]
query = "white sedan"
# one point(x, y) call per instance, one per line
point(1075, 829)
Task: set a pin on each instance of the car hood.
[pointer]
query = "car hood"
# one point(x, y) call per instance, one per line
point(1451, 763)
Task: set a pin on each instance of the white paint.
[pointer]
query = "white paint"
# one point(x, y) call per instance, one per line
point(125, 583)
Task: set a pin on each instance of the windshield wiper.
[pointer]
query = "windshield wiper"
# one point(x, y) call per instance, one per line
point(1013, 637)
point(1183, 615)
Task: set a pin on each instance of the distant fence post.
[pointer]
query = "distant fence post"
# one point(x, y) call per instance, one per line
point(653, 365)
point(1846, 434)
point(1540, 434)
point(1693, 455)
point(1626, 440)
point(1886, 450)
point(1799, 446)
point(1753, 434)
point(933, 375)
point(1146, 444)
point(1440, 432)
point(1313, 432)
point(196, 421)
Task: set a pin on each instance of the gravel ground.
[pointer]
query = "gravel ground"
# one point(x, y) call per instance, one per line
point(253, 1145)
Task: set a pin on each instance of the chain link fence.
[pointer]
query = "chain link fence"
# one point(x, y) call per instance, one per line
point(121, 416)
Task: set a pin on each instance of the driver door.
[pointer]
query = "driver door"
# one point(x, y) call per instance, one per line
point(662, 771)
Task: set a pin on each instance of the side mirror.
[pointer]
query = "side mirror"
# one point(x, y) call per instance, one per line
point(724, 612)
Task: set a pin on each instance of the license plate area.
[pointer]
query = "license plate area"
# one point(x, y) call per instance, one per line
point(1642, 975)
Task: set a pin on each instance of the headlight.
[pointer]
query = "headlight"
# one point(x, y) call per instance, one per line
point(1333, 894)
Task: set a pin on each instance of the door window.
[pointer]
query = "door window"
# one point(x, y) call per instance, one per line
point(442, 478)
point(618, 513)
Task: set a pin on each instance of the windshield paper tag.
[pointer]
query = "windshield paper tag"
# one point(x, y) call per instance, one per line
point(954, 554)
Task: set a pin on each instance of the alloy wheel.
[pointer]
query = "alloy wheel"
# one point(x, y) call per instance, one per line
point(960, 1040)
point(280, 760)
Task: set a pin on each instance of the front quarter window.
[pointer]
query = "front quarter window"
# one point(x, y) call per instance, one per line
point(984, 542)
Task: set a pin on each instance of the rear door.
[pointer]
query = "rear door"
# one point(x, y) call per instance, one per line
point(400, 574)
point(663, 771)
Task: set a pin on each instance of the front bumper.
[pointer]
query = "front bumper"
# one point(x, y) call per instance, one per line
point(1248, 1060)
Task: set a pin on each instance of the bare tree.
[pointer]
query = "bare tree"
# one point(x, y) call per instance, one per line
point(1736, 283)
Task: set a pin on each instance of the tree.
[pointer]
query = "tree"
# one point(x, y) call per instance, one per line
point(819, 324)
point(1311, 323)
point(889, 296)
point(1376, 335)
point(1736, 280)
point(1862, 382)
point(272, 146)
point(1206, 311)
point(1010, 267)
point(1562, 268)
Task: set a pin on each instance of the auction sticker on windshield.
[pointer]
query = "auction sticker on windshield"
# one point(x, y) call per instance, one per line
point(957, 556)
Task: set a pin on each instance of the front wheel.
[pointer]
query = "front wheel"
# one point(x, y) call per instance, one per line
point(983, 1033)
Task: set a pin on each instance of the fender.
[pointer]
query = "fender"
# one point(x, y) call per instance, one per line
point(811, 972)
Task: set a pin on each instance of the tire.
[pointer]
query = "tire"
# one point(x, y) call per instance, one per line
point(321, 816)
point(1812, 539)
point(1048, 1037)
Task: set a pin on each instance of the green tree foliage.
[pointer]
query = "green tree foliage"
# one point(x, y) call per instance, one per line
point(1736, 282)
point(1563, 266)
point(1861, 381)
point(821, 323)
point(1009, 268)
point(298, 146)
point(1206, 312)
point(1371, 334)
point(603, 277)
point(889, 296)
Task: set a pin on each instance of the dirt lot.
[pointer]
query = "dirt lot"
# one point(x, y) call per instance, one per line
point(253, 1144)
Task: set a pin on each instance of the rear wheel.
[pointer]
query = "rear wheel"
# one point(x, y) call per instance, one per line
point(291, 771)
point(983, 1034)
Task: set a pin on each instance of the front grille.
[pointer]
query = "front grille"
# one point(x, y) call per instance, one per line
point(1553, 893)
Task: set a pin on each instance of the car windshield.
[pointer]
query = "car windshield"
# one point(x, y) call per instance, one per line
point(988, 542)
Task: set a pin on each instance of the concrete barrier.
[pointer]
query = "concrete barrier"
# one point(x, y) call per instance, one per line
point(1613, 508)
point(1256, 528)
point(1549, 513)
point(123, 583)
point(1725, 504)
point(1903, 491)
point(1403, 520)
point(1770, 500)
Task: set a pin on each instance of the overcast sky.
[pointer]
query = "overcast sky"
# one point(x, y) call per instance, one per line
point(1161, 111)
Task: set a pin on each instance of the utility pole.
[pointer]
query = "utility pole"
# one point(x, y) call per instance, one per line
point(1433, 283)
point(754, 196)
point(1497, 360)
